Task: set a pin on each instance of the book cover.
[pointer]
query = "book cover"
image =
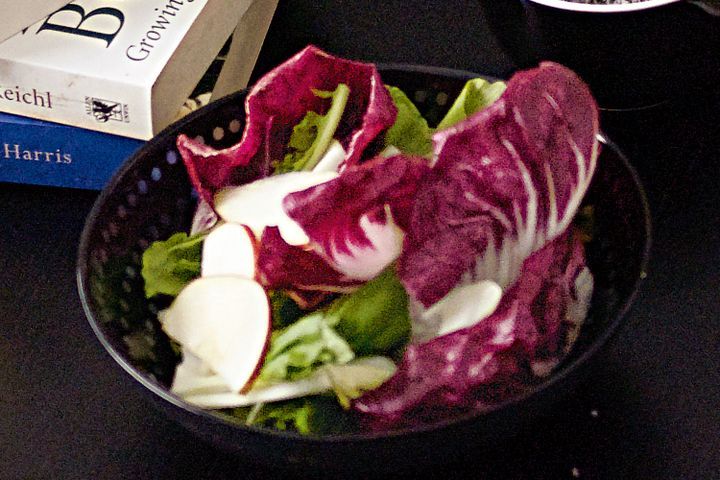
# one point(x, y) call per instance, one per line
point(117, 66)
point(18, 14)
point(45, 153)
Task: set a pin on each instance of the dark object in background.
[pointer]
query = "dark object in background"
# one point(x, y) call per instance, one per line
point(150, 198)
point(605, 2)
point(633, 55)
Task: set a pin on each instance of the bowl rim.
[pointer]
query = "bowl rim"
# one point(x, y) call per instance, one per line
point(88, 305)
point(597, 8)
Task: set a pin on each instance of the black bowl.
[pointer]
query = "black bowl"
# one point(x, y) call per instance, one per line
point(150, 198)
point(634, 55)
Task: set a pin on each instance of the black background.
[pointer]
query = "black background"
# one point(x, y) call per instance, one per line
point(651, 411)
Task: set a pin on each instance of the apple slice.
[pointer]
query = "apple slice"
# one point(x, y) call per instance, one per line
point(260, 204)
point(225, 322)
point(229, 249)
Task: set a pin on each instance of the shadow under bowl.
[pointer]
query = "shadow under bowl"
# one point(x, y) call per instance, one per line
point(150, 198)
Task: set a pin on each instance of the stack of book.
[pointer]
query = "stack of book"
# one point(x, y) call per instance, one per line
point(90, 81)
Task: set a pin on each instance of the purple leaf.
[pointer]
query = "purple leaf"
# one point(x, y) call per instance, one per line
point(277, 103)
point(506, 181)
point(499, 357)
point(295, 268)
point(355, 221)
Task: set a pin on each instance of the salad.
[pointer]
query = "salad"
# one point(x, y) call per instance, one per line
point(351, 265)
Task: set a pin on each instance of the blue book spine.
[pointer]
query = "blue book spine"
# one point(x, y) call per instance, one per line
point(45, 153)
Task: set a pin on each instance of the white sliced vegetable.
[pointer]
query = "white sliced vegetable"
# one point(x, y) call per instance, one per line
point(347, 380)
point(313, 385)
point(225, 322)
point(229, 249)
point(259, 204)
point(332, 159)
point(192, 375)
point(464, 306)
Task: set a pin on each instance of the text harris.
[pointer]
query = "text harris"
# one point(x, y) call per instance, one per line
point(14, 151)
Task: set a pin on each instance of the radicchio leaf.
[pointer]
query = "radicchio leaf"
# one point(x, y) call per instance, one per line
point(297, 269)
point(355, 221)
point(507, 180)
point(277, 103)
point(312, 137)
point(499, 357)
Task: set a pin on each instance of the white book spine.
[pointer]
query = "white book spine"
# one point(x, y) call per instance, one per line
point(100, 104)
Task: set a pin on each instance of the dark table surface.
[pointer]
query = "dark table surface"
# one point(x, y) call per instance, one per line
point(651, 411)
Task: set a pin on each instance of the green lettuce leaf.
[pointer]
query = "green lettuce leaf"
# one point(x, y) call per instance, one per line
point(288, 415)
point(410, 133)
point(373, 319)
point(169, 265)
point(318, 414)
point(476, 95)
point(311, 137)
point(297, 350)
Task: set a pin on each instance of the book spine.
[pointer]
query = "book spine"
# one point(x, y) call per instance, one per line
point(43, 153)
point(100, 104)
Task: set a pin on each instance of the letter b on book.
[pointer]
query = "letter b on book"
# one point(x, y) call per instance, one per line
point(72, 19)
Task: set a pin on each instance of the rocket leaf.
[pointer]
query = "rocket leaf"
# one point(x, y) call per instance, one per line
point(373, 319)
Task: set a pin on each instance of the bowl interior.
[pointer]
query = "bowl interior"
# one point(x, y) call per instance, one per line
point(150, 198)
